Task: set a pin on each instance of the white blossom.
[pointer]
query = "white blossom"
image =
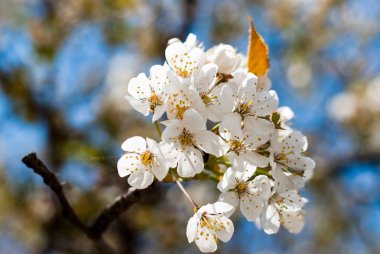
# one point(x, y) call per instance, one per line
point(241, 102)
point(184, 59)
point(184, 139)
point(290, 167)
point(283, 208)
point(204, 82)
point(209, 224)
point(243, 144)
point(225, 57)
point(239, 189)
point(181, 97)
point(148, 94)
point(142, 161)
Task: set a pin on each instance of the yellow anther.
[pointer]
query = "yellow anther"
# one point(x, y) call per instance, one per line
point(147, 158)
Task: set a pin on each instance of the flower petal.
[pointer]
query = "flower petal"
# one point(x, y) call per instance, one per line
point(190, 162)
point(293, 221)
point(260, 187)
point(227, 102)
point(139, 87)
point(211, 143)
point(170, 152)
point(134, 144)
point(191, 229)
point(128, 163)
point(295, 142)
point(251, 206)
point(230, 127)
point(231, 198)
point(255, 159)
point(193, 121)
point(141, 178)
point(228, 181)
point(205, 240)
point(141, 106)
point(227, 230)
point(174, 129)
point(270, 220)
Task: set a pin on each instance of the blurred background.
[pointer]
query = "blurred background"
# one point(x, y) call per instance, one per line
point(64, 70)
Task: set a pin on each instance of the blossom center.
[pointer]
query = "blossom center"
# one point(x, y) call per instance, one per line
point(186, 138)
point(241, 188)
point(244, 108)
point(236, 145)
point(207, 100)
point(147, 158)
point(154, 101)
point(180, 111)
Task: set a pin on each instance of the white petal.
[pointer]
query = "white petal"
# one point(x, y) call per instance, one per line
point(211, 143)
point(139, 87)
point(247, 173)
point(193, 121)
point(204, 79)
point(294, 221)
point(230, 127)
point(127, 163)
point(291, 201)
point(158, 112)
point(191, 229)
point(170, 153)
point(260, 187)
point(228, 181)
point(295, 142)
point(231, 198)
point(141, 106)
point(257, 131)
point(255, 159)
point(286, 113)
point(160, 168)
point(141, 179)
point(135, 144)
point(270, 220)
point(190, 162)
point(159, 78)
point(205, 242)
point(225, 233)
point(251, 206)
point(264, 103)
point(124, 164)
point(219, 207)
point(227, 102)
point(174, 129)
point(300, 162)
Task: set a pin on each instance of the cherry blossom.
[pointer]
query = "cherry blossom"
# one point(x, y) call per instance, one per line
point(142, 161)
point(239, 189)
point(283, 208)
point(147, 94)
point(210, 223)
point(183, 141)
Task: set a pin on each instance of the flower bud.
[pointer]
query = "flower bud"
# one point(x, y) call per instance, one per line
point(226, 57)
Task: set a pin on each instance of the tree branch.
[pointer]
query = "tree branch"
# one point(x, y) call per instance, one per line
point(114, 210)
point(109, 214)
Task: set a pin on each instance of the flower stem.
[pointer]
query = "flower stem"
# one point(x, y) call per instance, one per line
point(186, 194)
point(157, 125)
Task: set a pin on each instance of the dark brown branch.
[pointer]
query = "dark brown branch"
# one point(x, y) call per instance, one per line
point(114, 210)
point(104, 219)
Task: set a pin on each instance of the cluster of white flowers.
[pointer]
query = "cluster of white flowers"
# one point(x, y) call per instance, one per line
point(248, 146)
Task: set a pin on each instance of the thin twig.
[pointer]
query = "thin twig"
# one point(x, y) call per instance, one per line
point(186, 194)
point(109, 214)
point(115, 209)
